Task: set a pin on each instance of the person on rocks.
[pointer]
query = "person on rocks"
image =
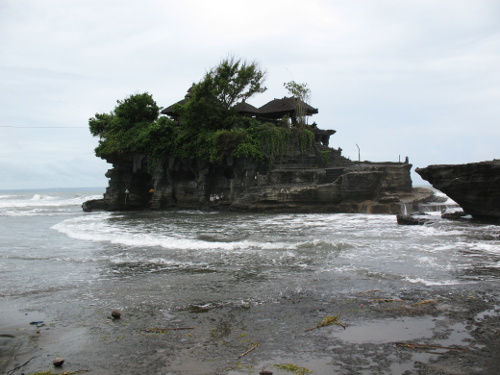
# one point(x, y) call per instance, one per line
point(151, 193)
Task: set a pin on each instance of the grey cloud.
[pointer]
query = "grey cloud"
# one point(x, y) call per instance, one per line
point(416, 78)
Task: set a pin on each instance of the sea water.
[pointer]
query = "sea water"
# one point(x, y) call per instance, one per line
point(49, 245)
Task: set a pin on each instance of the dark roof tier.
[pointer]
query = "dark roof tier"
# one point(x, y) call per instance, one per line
point(170, 110)
point(246, 109)
point(278, 108)
point(275, 109)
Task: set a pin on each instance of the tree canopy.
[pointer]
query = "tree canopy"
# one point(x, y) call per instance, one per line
point(234, 81)
point(231, 82)
point(209, 129)
point(122, 130)
point(302, 93)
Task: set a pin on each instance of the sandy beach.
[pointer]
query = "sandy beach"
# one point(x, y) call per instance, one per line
point(431, 330)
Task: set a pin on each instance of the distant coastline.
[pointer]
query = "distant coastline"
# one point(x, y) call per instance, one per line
point(55, 189)
point(99, 189)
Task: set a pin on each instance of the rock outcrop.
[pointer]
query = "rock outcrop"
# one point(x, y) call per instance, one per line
point(412, 220)
point(474, 186)
point(318, 180)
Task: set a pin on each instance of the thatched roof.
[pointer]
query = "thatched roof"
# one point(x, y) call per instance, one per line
point(275, 109)
point(246, 109)
point(170, 110)
point(278, 108)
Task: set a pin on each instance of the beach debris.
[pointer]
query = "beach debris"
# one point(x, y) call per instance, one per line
point(369, 291)
point(60, 373)
point(58, 362)
point(164, 330)
point(425, 302)
point(387, 300)
point(245, 305)
point(116, 314)
point(328, 321)
point(294, 368)
point(265, 372)
point(249, 350)
point(422, 346)
point(18, 367)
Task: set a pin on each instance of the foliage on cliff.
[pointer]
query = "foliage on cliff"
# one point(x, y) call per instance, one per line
point(126, 128)
point(209, 129)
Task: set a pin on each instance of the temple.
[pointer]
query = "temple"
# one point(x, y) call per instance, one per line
point(316, 179)
point(287, 110)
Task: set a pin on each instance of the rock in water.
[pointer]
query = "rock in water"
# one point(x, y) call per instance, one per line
point(412, 220)
point(474, 186)
point(94, 204)
point(116, 314)
point(58, 362)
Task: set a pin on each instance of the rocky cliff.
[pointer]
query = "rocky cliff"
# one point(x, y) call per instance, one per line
point(474, 186)
point(319, 180)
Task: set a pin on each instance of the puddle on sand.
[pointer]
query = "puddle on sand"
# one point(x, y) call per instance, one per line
point(315, 365)
point(385, 331)
point(409, 365)
point(192, 366)
point(455, 335)
point(495, 310)
point(374, 332)
point(13, 317)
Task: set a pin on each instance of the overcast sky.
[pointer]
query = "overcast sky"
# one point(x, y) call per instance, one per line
point(416, 78)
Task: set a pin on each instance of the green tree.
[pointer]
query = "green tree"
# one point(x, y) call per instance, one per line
point(211, 130)
point(301, 92)
point(230, 82)
point(125, 129)
point(235, 81)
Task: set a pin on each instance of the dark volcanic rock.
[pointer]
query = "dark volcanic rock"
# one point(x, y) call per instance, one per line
point(412, 220)
point(94, 204)
point(58, 362)
point(319, 180)
point(474, 186)
point(458, 215)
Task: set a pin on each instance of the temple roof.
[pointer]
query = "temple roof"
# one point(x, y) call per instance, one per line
point(287, 105)
point(245, 108)
point(170, 110)
point(275, 109)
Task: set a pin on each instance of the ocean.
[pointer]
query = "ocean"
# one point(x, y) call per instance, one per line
point(52, 251)
point(47, 233)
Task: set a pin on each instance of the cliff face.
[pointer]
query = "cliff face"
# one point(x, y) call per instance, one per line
point(319, 180)
point(474, 186)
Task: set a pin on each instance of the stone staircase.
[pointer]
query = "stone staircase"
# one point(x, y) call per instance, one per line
point(333, 173)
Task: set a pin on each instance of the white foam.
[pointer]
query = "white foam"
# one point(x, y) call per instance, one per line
point(372, 245)
point(39, 197)
point(95, 228)
point(6, 196)
point(419, 280)
point(18, 205)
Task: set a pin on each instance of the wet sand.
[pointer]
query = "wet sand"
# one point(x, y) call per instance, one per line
point(406, 330)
